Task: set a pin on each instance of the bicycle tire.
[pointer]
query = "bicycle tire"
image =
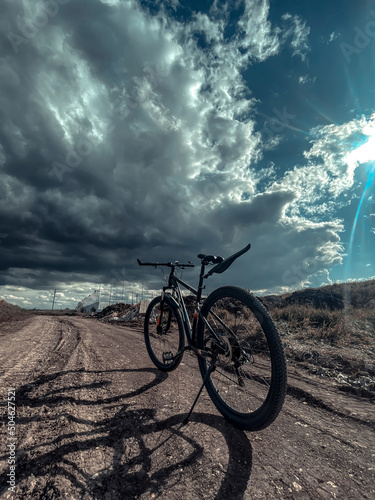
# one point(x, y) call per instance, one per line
point(170, 341)
point(251, 395)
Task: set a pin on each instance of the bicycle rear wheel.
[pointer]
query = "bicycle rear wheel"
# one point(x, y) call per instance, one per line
point(248, 382)
point(165, 340)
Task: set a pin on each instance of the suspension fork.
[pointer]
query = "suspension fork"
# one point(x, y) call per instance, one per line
point(194, 327)
point(159, 324)
point(160, 316)
point(172, 304)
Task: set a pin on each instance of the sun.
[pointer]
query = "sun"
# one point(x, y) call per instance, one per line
point(366, 152)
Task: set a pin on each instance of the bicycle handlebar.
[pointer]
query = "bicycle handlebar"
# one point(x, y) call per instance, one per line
point(221, 264)
point(167, 264)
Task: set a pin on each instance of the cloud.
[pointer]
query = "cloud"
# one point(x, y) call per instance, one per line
point(124, 134)
point(299, 32)
point(319, 189)
point(303, 80)
point(333, 36)
point(336, 152)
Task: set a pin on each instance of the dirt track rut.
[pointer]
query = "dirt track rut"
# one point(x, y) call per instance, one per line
point(95, 420)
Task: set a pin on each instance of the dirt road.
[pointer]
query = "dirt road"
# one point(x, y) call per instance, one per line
point(95, 420)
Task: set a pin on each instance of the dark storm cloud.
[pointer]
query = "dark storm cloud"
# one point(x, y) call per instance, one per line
point(121, 136)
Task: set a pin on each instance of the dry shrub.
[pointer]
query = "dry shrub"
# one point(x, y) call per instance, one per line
point(366, 315)
point(359, 294)
point(315, 323)
point(10, 312)
point(353, 325)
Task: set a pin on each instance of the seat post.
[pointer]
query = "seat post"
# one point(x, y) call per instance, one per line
point(200, 284)
point(170, 276)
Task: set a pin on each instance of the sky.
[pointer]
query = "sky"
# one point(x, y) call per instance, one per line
point(164, 129)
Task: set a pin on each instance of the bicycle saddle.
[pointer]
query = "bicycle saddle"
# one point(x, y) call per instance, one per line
point(225, 263)
point(210, 259)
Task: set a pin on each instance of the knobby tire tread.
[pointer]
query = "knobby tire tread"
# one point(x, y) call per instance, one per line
point(269, 410)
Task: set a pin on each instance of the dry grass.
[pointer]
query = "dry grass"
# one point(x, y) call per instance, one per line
point(348, 327)
point(333, 343)
point(9, 312)
point(359, 294)
point(316, 324)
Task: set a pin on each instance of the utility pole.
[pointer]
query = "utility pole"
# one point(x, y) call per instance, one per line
point(122, 294)
point(110, 295)
point(53, 302)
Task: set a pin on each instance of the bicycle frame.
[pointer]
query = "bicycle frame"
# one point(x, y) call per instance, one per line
point(173, 284)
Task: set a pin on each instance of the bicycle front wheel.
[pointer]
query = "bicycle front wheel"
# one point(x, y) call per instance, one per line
point(164, 335)
point(248, 381)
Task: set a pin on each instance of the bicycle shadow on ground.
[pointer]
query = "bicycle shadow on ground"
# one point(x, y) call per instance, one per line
point(52, 398)
point(147, 453)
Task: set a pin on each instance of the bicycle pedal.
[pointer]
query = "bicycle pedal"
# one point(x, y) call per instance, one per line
point(168, 357)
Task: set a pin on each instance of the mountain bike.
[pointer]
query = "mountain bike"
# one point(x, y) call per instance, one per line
point(239, 351)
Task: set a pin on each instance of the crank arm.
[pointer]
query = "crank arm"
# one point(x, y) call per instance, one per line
point(201, 352)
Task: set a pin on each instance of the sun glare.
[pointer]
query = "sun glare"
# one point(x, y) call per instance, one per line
point(366, 152)
point(363, 155)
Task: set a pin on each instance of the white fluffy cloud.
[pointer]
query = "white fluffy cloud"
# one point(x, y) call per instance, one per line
point(335, 153)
